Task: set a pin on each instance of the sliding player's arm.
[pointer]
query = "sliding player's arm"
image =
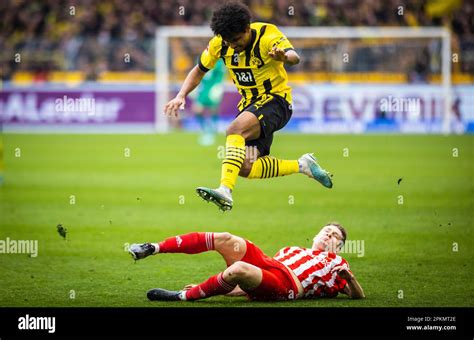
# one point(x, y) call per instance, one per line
point(192, 80)
point(353, 288)
point(236, 292)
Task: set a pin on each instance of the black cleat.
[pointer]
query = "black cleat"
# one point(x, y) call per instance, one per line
point(159, 294)
point(140, 251)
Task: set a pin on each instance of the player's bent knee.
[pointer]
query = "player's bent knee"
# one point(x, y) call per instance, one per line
point(223, 242)
point(245, 169)
point(233, 129)
point(231, 247)
point(222, 237)
point(240, 270)
point(247, 276)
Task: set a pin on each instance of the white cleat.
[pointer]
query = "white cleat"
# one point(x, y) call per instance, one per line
point(220, 197)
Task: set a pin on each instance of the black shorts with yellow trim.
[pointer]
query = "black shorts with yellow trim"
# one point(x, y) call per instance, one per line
point(273, 113)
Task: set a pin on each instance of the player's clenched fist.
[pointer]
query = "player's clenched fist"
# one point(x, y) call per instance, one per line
point(171, 109)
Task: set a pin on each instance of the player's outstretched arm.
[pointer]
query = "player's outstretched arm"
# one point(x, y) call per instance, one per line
point(353, 288)
point(192, 80)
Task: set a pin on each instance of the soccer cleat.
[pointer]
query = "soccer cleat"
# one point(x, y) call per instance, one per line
point(159, 294)
point(217, 196)
point(140, 251)
point(309, 166)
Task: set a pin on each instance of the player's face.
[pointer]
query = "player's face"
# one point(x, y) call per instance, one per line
point(328, 239)
point(240, 41)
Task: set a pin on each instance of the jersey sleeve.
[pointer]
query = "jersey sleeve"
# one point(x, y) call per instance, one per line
point(281, 252)
point(274, 37)
point(339, 283)
point(210, 55)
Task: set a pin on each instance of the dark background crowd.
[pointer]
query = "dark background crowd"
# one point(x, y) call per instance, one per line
point(93, 36)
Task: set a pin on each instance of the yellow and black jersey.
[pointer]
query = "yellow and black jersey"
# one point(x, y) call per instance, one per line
point(253, 71)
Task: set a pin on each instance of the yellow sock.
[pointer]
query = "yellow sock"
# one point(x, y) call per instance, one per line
point(234, 158)
point(267, 167)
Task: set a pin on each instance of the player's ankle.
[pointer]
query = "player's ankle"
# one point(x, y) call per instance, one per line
point(182, 295)
point(157, 248)
point(226, 189)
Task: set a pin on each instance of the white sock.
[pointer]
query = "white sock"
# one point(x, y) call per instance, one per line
point(157, 248)
point(182, 295)
point(300, 167)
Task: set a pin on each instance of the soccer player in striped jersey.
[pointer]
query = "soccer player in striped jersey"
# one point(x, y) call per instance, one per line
point(255, 55)
point(293, 273)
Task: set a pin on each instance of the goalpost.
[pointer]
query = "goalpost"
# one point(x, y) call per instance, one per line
point(165, 33)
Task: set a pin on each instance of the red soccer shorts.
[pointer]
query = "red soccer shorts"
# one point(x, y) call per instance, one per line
point(277, 282)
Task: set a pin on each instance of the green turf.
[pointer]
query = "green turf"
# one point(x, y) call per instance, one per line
point(122, 200)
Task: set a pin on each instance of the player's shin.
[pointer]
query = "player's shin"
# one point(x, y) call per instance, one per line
point(234, 158)
point(268, 167)
point(215, 285)
point(192, 243)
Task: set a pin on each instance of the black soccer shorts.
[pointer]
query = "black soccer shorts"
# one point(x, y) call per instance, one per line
point(273, 112)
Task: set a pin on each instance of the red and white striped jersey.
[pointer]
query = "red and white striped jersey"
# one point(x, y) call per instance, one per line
point(314, 269)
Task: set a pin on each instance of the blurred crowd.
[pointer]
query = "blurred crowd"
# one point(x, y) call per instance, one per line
point(94, 36)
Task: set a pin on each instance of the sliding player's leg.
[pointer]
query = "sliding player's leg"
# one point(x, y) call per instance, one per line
point(245, 127)
point(259, 284)
point(260, 276)
point(231, 247)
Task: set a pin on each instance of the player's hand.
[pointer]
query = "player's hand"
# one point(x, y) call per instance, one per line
point(343, 272)
point(236, 292)
point(171, 109)
point(277, 54)
point(189, 286)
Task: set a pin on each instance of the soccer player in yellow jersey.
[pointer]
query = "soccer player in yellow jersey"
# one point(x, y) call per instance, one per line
point(254, 54)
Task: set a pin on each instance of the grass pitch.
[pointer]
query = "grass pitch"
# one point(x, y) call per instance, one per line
point(418, 253)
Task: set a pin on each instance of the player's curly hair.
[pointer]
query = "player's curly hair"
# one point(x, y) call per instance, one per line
point(230, 19)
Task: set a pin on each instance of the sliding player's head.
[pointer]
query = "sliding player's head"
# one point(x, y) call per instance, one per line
point(331, 238)
point(232, 22)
